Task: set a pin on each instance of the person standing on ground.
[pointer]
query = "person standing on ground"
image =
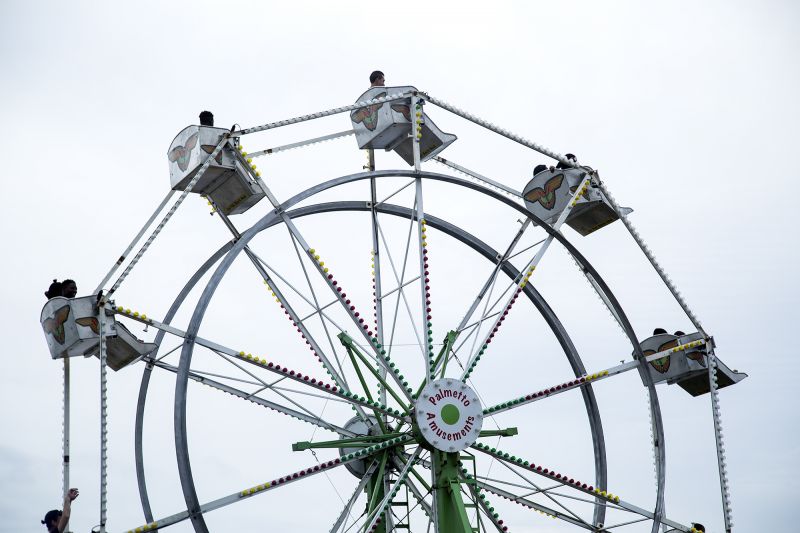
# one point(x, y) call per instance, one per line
point(56, 521)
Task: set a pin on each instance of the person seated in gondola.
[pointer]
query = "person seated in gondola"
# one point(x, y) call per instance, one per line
point(54, 290)
point(571, 157)
point(559, 166)
point(67, 288)
point(377, 79)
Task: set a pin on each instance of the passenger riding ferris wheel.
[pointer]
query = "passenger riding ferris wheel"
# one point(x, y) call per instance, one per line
point(418, 388)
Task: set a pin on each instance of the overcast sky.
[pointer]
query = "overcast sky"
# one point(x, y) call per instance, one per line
point(688, 109)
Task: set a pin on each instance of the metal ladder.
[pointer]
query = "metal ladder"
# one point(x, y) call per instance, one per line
point(404, 521)
point(470, 503)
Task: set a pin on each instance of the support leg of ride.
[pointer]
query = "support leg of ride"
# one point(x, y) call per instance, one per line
point(450, 510)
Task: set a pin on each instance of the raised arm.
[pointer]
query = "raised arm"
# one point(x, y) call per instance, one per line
point(64, 520)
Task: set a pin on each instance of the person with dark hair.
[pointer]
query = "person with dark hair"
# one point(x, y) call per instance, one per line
point(659, 331)
point(539, 168)
point(206, 118)
point(69, 289)
point(679, 333)
point(56, 521)
point(571, 157)
point(54, 290)
point(377, 79)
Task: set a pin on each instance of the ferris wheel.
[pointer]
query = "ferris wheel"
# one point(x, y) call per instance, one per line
point(389, 372)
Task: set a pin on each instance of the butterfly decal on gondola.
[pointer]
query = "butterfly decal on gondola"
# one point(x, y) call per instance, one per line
point(404, 109)
point(662, 363)
point(181, 154)
point(368, 115)
point(209, 148)
point(89, 322)
point(547, 195)
point(697, 357)
point(55, 325)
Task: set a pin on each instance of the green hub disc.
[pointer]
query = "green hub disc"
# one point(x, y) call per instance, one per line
point(450, 414)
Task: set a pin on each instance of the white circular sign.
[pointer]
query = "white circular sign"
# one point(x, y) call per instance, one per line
point(449, 415)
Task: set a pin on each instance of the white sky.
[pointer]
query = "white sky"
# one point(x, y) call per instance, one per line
point(688, 110)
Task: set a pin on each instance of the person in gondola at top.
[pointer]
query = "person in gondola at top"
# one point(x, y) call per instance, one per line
point(377, 79)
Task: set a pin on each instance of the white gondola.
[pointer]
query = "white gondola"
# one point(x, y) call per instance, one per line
point(226, 181)
point(688, 368)
point(387, 126)
point(549, 192)
point(72, 328)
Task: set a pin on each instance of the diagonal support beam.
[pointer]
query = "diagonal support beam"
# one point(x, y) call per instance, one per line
point(584, 380)
point(299, 377)
point(528, 272)
point(316, 421)
point(272, 485)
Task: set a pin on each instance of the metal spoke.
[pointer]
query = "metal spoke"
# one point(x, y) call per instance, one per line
point(479, 177)
point(400, 285)
point(607, 497)
point(328, 279)
point(419, 496)
point(425, 295)
point(260, 401)
point(275, 150)
point(322, 320)
point(271, 367)
point(271, 386)
point(272, 485)
point(406, 284)
point(628, 523)
point(493, 276)
point(585, 380)
point(503, 461)
point(294, 317)
point(377, 279)
point(375, 516)
point(301, 295)
point(520, 252)
point(340, 521)
point(527, 272)
point(406, 186)
point(488, 285)
point(319, 310)
point(531, 504)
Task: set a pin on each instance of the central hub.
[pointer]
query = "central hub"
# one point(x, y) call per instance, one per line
point(448, 415)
